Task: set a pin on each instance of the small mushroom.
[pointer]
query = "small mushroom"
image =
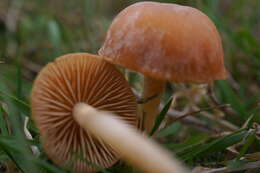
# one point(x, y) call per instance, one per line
point(86, 113)
point(72, 79)
point(165, 42)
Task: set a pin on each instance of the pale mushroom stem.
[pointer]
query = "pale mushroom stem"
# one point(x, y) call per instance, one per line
point(133, 147)
point(153, 88)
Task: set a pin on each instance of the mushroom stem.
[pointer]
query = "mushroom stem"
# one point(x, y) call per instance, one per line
point(152, 87)
point(133, 147)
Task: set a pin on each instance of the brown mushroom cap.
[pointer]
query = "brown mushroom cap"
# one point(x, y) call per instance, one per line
point(72, 79)
point(166, 41)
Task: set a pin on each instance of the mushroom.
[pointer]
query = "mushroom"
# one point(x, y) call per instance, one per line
point(164, 42)
point(86, 114)
point(72, 79)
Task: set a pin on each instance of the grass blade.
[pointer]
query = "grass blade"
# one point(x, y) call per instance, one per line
point(161, 116)
point(216, 145)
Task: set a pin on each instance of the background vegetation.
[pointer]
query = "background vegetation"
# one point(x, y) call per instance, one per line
point(226, 138)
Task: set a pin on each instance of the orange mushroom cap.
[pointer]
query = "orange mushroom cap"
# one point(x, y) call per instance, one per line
point(72, 79)
point(166, 41)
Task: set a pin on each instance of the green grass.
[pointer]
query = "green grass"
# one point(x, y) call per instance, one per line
point(47, 29)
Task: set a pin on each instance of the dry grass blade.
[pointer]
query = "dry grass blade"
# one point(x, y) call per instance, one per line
point(196, 112)
point(145, 100)
point(221, 122)
point(248, 166)
point(195, 122)
point(256, 126)
point(213, 99)
point(253, 156)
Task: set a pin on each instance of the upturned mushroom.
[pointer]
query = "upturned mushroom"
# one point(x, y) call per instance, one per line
point(72, 79)
point(164, 42)
point(86, 114)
